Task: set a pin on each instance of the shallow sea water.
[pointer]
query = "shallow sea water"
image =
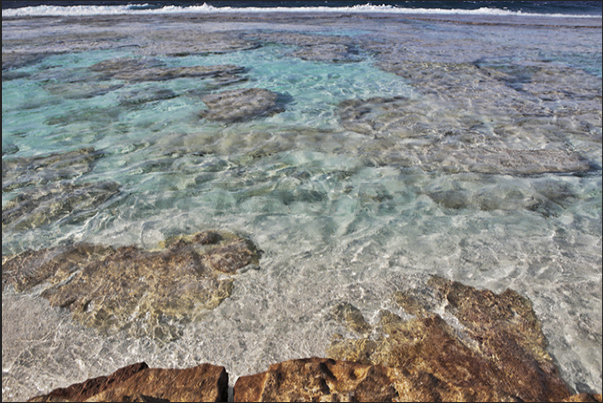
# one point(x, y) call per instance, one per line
point(346, 204)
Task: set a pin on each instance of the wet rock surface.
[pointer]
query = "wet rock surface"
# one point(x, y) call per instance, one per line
point(39, 170)
point(145, 292)
point(460, 344)
point(242, 104)
point(34, 207)
point(139, 383)
point(309, 379)
point(328, 380)
point(318, 379)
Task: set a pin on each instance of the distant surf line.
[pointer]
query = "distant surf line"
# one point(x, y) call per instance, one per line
point(136, 9)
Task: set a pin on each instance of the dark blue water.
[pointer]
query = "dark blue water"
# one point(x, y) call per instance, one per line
point(552, 7)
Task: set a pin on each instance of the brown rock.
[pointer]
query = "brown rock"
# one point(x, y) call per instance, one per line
point(81, 391)
point(134, 289)
point(317, 379)
point(138, 383)
point(495, 352)
point(583, 397)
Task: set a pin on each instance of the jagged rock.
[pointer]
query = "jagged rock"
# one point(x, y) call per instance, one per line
point(39, 170)
point(146, 69)
point(144, 95)
point(145, 292)
point(309, 379)
point(328, 52)
point(81, 392)
point(34, 207)
point(318, 379)
point(493, 350)
point(241, 104)
point(139, 383)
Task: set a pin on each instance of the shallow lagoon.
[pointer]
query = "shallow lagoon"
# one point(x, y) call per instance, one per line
point(406, 147)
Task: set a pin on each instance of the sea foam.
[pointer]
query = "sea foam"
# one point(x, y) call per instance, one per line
point(207, 9)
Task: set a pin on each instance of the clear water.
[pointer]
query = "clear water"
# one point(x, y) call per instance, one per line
point(338, 218)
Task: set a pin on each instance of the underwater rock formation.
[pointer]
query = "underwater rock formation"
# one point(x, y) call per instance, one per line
point(16, 60)
point(328, 52)
point(463, 344)
point(144, 95)
point(412, 132)
point(149, 69)
point(38, 206)
point(145, 292)
point(39, 170)
point(239, 105)
point(139, 383)
point(81, 90)
point(506, 161)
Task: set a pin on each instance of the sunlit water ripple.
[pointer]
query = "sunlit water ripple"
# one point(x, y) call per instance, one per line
point(381, 168)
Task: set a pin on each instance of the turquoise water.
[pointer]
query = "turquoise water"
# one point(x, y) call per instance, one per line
point(378, 171)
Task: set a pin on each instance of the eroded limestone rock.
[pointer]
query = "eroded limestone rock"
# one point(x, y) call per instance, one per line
point(494, 349)
point(139, 383)
point(242, 104)
point(145, 292)
point(39, 170)
point(34, 207)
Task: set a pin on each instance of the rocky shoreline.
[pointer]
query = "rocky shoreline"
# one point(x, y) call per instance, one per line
point(310, 379)
point(447, 341)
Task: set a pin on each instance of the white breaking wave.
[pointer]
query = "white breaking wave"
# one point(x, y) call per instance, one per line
point(207, 9)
